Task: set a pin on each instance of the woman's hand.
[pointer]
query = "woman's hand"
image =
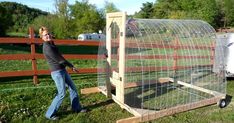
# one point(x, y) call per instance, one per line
point(75, 69)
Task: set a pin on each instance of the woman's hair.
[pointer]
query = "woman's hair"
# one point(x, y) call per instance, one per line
point(41, 30)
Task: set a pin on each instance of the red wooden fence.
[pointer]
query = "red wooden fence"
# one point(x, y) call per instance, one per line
point(34, 56)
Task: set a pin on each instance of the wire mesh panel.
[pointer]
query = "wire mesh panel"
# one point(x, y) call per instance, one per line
point(168, 66)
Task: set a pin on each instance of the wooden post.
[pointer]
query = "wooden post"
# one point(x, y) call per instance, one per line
point(108, 60)
point(212, 53)
point(120, 89)
point(33, 51)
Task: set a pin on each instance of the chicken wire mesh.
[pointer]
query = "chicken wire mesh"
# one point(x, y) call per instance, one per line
point(167, 63)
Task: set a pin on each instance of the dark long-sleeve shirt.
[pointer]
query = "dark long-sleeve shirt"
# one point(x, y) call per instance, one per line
point(54, 58)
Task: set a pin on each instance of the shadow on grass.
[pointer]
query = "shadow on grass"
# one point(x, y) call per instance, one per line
point(100, 104)
point(132, 99)
point(228, 99)
point(14, 80)
point(89, 108)
point(230, 78)
point(84, 76)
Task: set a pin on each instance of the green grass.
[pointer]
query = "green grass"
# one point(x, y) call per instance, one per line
point(24, 102)
point(21, 101)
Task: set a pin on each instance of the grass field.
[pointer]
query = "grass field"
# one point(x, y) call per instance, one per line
point(21, 101)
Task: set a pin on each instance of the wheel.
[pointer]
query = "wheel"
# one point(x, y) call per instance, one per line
point(222, 103)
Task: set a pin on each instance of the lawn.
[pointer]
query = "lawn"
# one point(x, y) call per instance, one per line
point(21, 101)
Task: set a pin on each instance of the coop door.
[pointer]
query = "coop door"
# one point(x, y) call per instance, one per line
point(115, 44)
point(114, 55)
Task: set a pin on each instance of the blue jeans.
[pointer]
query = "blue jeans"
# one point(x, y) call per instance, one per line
point(61, 77)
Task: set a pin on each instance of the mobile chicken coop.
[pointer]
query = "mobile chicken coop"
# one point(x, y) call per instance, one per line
point(157, 67)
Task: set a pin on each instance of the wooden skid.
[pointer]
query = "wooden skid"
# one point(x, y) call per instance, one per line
point(151, 115)
point(214, 93)
point(129, 120)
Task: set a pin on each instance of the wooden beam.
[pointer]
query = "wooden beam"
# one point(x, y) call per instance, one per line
point(165, 79)
point(90, 90)
point(162, 68)
point(14, 40)
point(16, 73)
point(137, 84)
point(144, 45)
point(16, 57)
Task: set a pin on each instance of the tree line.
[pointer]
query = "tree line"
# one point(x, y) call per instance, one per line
point(218, 13)
point(15, 17)
point(82, 17)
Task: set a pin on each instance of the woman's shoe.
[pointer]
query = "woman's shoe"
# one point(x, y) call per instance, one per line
point(54, 118)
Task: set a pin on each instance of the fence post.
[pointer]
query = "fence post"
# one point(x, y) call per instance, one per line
point(33, 51)
point(175, 54)
point(212, 53)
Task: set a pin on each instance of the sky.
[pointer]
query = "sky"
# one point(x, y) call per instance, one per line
point(129, 6)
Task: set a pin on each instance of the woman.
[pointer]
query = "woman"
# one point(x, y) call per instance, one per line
point(57, 64)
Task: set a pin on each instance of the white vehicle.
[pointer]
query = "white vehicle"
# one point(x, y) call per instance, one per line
point(92, 36)
point(226, 43)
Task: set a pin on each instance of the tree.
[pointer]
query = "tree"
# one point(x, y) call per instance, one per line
point(59, 23)
point(86, 18)
point(63, 19)
point(228, 7)
point(146, 11)
point(5, 20)
point(186, 9)
point(48, 21)
point(110, 7)
point(19, 16)
point(206, 10)
point(162, 8)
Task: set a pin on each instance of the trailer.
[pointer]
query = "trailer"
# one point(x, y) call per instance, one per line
point(91, 36)
point(226, 42)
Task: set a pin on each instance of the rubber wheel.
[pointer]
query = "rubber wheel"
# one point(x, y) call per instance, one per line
point(222, 103)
